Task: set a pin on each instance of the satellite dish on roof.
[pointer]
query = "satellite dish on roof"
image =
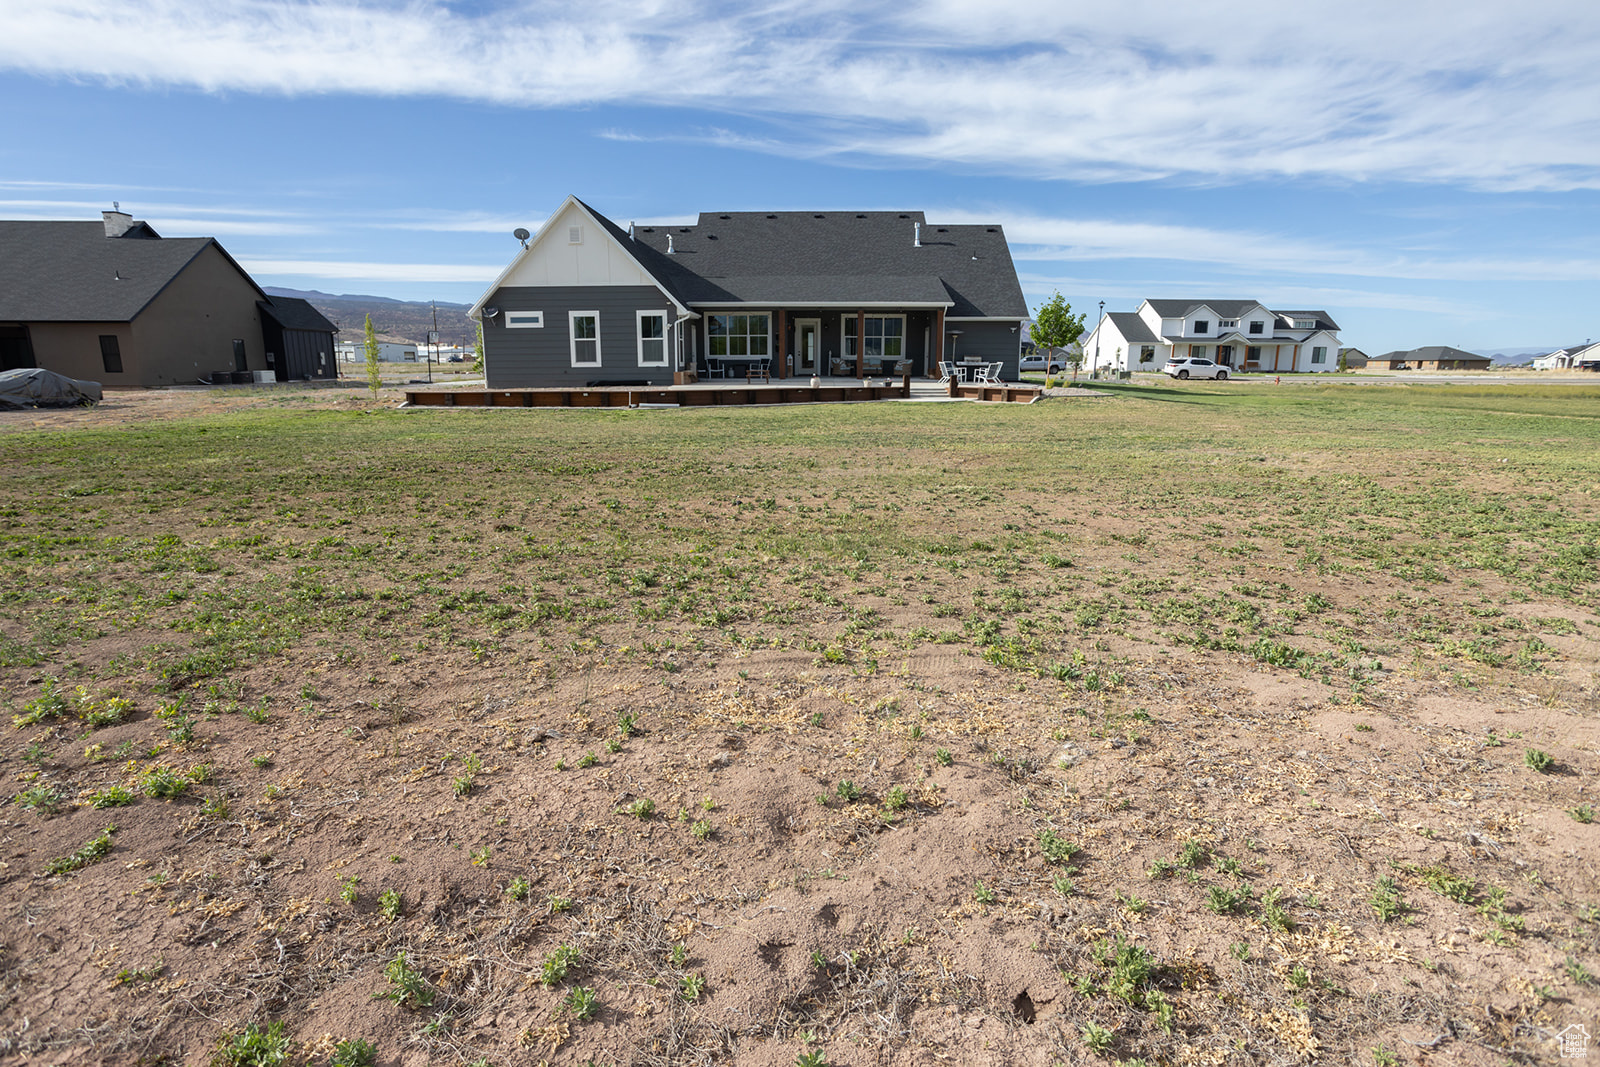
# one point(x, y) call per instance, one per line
point(522, 235)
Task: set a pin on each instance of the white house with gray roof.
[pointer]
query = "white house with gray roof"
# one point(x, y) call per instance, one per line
point(793, 293)
point(1245, 335)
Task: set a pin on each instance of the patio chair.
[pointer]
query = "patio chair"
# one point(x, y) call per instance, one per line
point(947, 372)
point(715, 369)
point(989, 373)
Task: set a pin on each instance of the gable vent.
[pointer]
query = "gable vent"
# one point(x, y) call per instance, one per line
point(574, 235)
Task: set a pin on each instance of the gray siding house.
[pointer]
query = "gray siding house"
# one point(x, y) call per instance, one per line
point(115, 302)
point(793, 294)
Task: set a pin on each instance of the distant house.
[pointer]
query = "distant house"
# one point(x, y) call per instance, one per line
point(1431, 357)
point(115, 302)
point(1576, 357)
point(1241, 334)
point(388, 352)
point(299, 339)
point(1353, 358)
point(792, 293)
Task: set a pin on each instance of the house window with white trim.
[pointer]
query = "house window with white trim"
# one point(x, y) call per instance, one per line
point(652, 338)
point(736, 335)
point(1305, 324)
point(524, 320)
point(1202, 325)
point(1227, 324)
point(1197, 351)
point(1319, 354)
point(1257, 325)
point(1252, 353)
point(884, 336)
point(585, 337)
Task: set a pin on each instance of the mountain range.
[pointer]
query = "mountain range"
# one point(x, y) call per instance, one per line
point(392, 320)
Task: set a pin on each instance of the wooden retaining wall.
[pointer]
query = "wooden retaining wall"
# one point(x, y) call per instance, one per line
point(699, 396)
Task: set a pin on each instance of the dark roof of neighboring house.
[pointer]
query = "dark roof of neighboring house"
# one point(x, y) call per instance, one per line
point(1324, 320)
point(1177, 309)
point(1233, 309)
point(293, 313)
point(1432, 352)
point(1132, 327)
point(843, 258)
point(73, 272)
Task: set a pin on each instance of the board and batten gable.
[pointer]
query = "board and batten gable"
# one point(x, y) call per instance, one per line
point(573, 265)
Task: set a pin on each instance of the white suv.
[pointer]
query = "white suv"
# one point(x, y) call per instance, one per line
point(1195, 367)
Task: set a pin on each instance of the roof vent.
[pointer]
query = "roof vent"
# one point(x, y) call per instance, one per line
point(916, 234)
point(905, 216)
point(819, 216)
point(991, 229)
point(860, 216)
point(943, 230)
point(772, 216)
point(711, 237)
point(630, 229)
point(670, 250)
point(724, 216)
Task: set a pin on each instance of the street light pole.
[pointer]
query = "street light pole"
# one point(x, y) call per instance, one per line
point(1097, 326)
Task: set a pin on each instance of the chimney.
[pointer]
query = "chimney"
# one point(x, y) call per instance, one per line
point(117, 222)
point(916, 235)
point(670, 252)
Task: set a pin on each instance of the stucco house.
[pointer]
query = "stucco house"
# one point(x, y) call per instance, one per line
point(790, 294)
point(115, 302)
point(1430, 357)
point(1242, 334)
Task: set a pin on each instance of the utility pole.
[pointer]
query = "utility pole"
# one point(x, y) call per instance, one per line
point(433, 340)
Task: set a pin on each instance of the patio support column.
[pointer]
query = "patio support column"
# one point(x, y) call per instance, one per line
point(1294, 362)
point(1277, 350)
point(861, 344)
point(938, 344)
point(783, 343)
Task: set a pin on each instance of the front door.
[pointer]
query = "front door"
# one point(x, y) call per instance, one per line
point(807, 345)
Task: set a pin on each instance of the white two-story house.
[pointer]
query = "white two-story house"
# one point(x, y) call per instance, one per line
point(1242, 334)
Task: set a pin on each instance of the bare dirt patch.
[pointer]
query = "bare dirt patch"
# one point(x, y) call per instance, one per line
point(939, 801)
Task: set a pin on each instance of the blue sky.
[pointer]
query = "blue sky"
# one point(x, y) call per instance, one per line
point(1427, 172)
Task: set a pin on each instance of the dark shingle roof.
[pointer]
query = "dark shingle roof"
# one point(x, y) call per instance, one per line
point(1432, 352)
point(837, 257)
point(292, 313)
point(1132, 327)
point(1227, 309)
point(1324, 320)
point(73, 272)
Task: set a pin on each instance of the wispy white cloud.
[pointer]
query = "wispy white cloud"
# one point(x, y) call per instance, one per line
point(1045, 239)
point(1491, 95)
point(371, 271)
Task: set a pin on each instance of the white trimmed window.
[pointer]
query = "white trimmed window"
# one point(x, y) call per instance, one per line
point(524, 320)
point(652, 338)
point(1197, 351)
point(1319, 355)
point(1305, 324)
point(1202, 325)
point(1227, 324)
point(584, 331)
point(1257, 325)
point(736, 335)
point(885, 336)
